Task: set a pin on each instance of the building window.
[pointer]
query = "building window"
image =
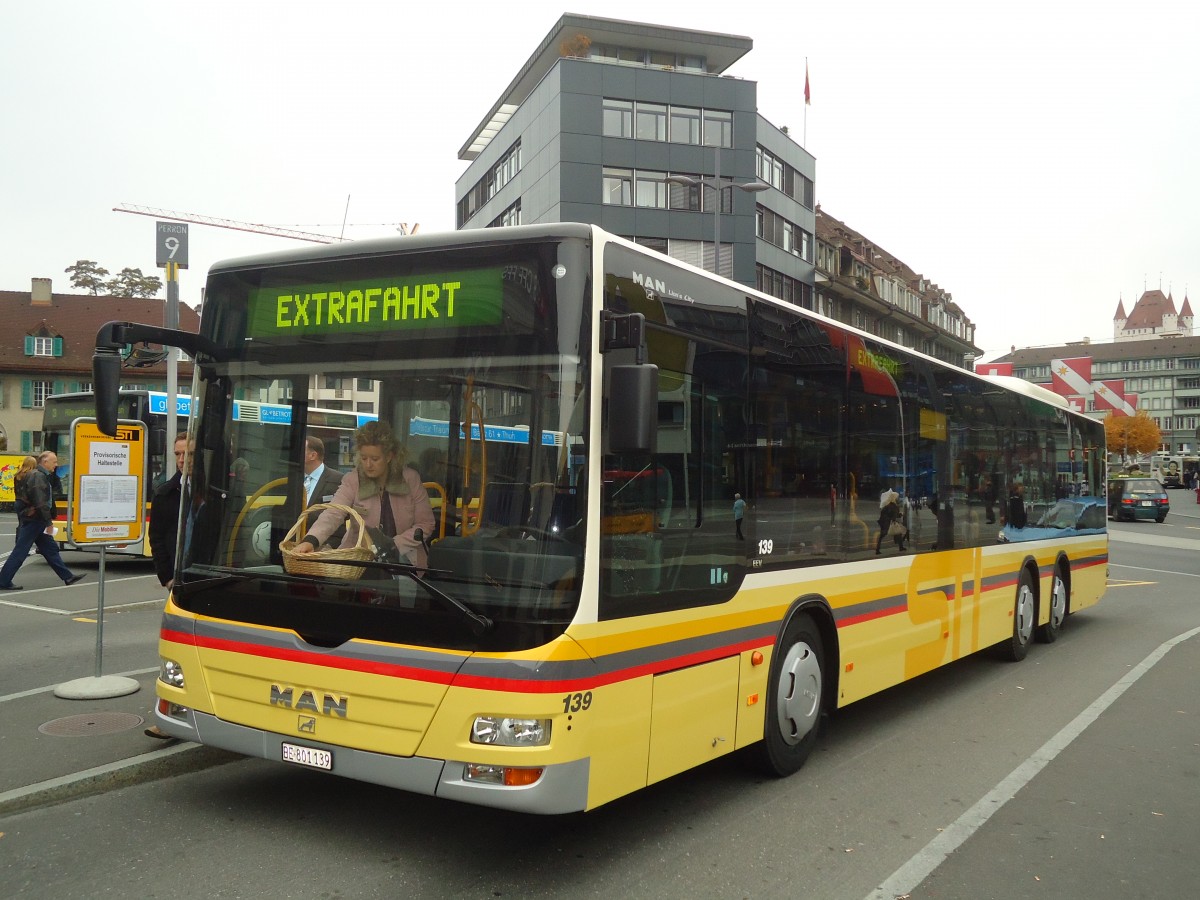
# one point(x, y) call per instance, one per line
point(333, 383)
point(365, 406)
point(43, 346)
point(41, 390)
point(618, 118)
point(685, 125)
point(510, 216)
point(685, 196)
point(618, 187)
point(366, 384)
point(651, 189)
point(651, 122)
point(718, 128)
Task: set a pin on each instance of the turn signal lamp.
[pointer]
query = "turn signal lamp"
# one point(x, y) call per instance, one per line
point(508, 776)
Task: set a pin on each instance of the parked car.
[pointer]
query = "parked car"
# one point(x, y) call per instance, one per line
point(1137, 498)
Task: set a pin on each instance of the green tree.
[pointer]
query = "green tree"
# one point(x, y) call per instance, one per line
point(132, 283)
point(87, 275)
point(1131, 435)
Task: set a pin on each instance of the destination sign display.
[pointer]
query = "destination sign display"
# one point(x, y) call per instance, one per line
point(426, 301)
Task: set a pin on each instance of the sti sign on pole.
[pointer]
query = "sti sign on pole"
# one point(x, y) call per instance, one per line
point(107, 503)
point(105, 507)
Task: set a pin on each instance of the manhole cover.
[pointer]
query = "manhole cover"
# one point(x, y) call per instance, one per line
point(91, 723)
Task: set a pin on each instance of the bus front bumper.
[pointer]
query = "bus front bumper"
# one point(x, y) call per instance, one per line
point(562, 788)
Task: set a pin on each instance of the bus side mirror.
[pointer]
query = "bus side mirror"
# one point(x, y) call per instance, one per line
point(158, 441)
point(633, 409)
point(106, 383)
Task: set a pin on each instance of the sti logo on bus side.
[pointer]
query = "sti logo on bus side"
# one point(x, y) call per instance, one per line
point(330, 705)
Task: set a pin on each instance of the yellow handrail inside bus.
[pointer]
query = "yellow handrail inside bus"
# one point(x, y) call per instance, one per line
point(473, 408)
point(441, 492)
point(249, 505)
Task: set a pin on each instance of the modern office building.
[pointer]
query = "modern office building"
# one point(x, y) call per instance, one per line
point(606, 123)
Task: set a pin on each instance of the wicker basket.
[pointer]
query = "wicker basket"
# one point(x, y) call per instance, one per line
point(325, 563)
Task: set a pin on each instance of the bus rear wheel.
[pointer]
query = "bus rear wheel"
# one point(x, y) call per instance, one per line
point(1016, 647)
point(795, 700)
point(1049, 632)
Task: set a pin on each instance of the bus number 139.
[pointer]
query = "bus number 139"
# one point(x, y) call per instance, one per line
point(576, 702)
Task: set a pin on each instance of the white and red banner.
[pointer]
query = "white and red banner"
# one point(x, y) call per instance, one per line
point(1111, 395)
point(993, 368)
point(1078, 404)
point(1071, 376)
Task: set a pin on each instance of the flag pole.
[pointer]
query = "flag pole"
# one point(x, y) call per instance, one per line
point(807, 101)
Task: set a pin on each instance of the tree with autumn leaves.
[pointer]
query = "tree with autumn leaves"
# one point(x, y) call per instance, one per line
point(1131, 435)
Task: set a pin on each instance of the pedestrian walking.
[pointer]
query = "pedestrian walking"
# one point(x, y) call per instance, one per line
point(739, 512)
point(35, 523)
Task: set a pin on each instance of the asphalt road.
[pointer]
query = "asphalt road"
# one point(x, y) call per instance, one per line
point(1071, 774)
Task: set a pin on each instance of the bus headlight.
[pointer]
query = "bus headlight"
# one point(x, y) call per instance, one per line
point(170, 672)
point(506, 731)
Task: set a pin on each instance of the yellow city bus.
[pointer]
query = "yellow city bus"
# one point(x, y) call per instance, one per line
point(556, 652)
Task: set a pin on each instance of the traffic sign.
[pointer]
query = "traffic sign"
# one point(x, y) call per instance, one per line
point(106, 504)
point(171, 244)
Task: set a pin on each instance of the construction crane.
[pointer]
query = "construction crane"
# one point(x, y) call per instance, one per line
point(252, 227)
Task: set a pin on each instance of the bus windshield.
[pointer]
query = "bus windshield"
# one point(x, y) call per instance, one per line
point(475, 369)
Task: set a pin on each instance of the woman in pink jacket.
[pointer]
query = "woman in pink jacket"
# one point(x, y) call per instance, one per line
point(385, 492)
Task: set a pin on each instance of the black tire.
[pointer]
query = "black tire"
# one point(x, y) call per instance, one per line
point(1059, 601)
point(795, 701)
point(1016, 647)
point(1161, 519)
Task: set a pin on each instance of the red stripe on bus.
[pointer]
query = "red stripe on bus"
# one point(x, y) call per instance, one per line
point(479, 682)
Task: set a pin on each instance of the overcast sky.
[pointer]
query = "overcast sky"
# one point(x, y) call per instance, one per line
point(1036, 159)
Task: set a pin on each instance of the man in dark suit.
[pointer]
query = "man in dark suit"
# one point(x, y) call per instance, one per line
point(164, 518)
point(320, 481)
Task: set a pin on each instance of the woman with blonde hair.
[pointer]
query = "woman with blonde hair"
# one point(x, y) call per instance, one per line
point(387, 493)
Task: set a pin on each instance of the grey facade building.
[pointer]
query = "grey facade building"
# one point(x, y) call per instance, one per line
point(605, 111)
point(609, 120)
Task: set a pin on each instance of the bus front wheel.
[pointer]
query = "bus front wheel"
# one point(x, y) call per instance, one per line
point(795, 700)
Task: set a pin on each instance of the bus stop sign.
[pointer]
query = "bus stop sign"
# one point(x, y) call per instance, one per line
point(107, 475)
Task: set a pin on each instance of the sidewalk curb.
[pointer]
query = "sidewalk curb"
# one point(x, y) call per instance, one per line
point(153, 766)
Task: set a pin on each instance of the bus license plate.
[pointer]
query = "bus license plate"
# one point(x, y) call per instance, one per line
point(308, 756)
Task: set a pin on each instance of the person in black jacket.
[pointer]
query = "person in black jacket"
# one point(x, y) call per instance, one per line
point(35, 515)
point(1016, 506)
point(164, 518)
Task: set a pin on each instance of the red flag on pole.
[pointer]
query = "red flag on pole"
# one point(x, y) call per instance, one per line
point(807, 92)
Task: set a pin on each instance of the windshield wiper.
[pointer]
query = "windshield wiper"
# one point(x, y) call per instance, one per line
point(480, 624)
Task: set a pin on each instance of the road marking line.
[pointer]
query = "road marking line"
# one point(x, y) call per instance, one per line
point(905, 879)
point(1156, 571)
point(50, 687)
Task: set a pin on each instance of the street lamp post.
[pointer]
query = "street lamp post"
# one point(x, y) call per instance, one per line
point(751, 187)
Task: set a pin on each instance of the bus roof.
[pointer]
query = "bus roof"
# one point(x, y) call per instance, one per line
point(413, 242)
